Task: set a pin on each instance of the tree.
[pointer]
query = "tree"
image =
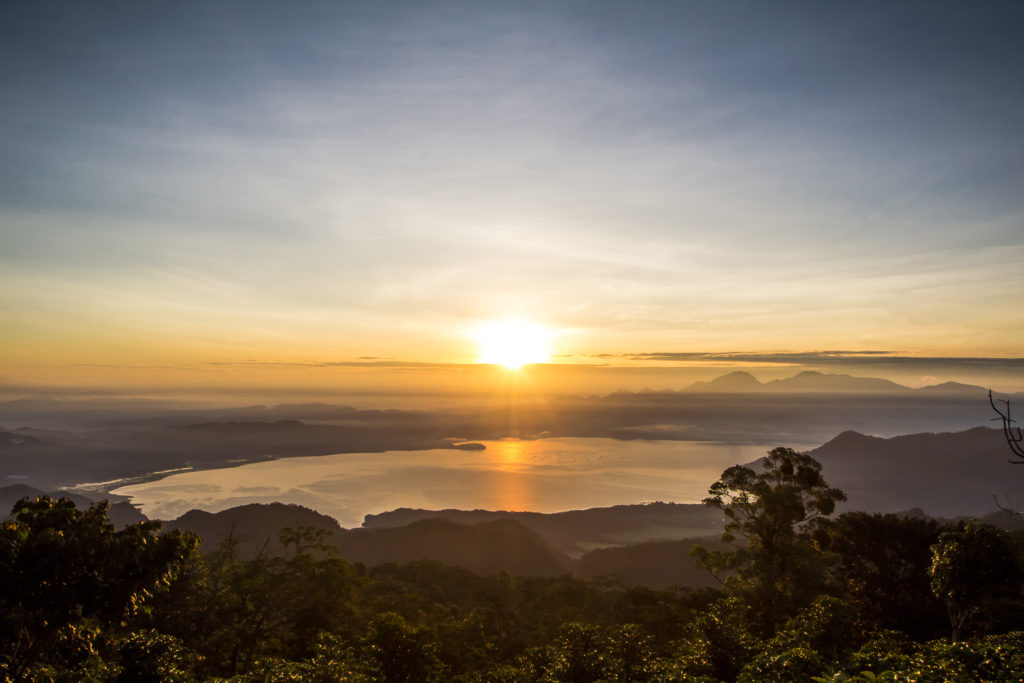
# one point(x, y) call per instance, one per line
point(881, 565)
point(399, 652)
point(719, 642)
point(62, 568)
point(774, 566)
point(973, 567)
point(237, 612)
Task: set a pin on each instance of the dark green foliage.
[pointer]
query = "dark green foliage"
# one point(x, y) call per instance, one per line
point(775, 566)
point(821, 633)
point(974, 567)
point(64, 572)
point(233, 612)
point(152, 657)
point(886, 651)
point(306, 615)
point(826, 626)
point(74, 656)
point(795, 664)
point(719, 643)
point(992, 658)
point(333, 661)
point(881, 567)
point(578, 655)
point(630, 654)
point(400, 653)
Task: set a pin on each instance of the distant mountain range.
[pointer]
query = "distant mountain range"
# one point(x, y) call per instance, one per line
point(811, 381)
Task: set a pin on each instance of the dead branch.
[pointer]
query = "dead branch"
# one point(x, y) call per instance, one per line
point(1010, 429)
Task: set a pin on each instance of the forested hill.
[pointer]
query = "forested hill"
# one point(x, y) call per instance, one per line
point(486, 548)
point(576, 531)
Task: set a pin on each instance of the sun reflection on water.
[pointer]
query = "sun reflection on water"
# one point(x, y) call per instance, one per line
point(511, 488)
point(509, 455)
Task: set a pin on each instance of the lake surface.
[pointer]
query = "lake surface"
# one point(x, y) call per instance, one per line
point(546, 475)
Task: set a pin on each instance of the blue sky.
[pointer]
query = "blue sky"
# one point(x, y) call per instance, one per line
point(199, 182)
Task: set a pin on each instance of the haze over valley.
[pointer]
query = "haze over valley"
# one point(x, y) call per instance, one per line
point(516, 453)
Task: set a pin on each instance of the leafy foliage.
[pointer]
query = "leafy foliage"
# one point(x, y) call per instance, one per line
point(973, 566)
point(775, 566)
point(720, 641)
point(880, 565)
point(66, 573)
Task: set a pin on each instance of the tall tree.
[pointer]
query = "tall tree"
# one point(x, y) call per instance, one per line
point(973, 568)
point(774, 566)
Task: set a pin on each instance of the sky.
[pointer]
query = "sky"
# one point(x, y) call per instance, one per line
point(247, 193)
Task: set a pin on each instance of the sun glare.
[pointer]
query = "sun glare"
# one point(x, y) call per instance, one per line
point(512, 343)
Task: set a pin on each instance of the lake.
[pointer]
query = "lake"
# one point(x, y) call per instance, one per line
point(545, 475)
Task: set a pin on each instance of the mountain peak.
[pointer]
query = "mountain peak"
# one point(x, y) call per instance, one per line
point(952, 388)
point(819, 382)
point(738, 381)
point(848, 439)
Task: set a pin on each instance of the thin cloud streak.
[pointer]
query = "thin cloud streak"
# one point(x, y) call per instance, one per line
point(818, 358)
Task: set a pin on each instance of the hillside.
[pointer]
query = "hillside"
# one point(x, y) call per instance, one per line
point(655, 565)
point(484, 548)
point(576, 531)
point(253, 527)
point(945, 474)
point(502, 545)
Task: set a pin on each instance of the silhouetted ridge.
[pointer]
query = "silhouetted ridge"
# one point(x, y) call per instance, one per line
point(253, 527)
point(848, 439)
point(738, 381)
point(953, 388)
point(575, 531)
point(814, 382)
point(485, 548)
point(946, 474)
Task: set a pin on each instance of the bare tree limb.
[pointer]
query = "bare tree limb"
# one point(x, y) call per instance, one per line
point(1010, 429)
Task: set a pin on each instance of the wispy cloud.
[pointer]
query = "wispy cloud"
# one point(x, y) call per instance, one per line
point(343, 364)
point(873, 357)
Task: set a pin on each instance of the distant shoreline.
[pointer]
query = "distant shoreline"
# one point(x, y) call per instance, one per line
point(108, 488)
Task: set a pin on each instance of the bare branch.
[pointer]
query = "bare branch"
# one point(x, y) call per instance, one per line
point(1009, 509)
point(1010, 430)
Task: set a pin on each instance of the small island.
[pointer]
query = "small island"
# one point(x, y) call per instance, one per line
point(469, 446)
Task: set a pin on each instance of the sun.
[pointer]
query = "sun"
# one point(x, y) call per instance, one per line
point(512, 343)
